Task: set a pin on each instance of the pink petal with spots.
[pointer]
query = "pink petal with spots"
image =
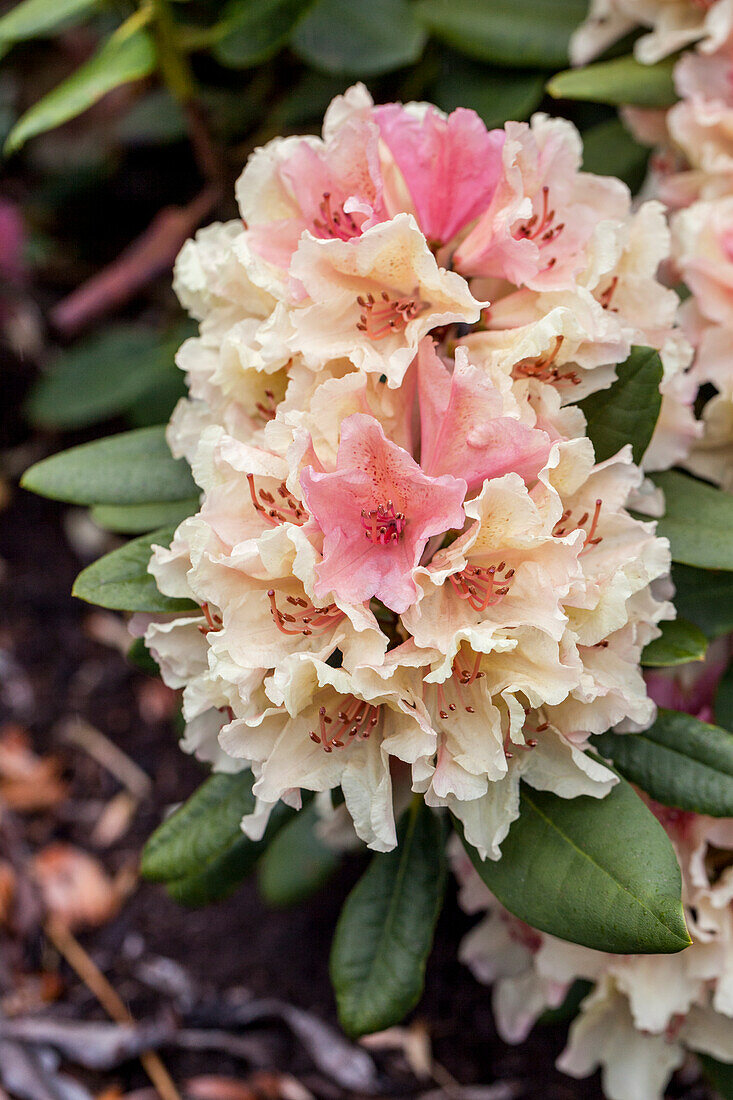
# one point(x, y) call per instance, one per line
point(451, 165)
point(377, 510)
point(463, 430)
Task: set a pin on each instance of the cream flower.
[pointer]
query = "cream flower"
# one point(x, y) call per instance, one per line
point(674, 24)
point(374, 298)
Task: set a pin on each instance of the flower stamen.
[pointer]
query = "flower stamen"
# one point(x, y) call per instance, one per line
point(382, 525)
point(356, 720)
point(566, 523)
point(289, 510)
point(214, 621)
point(334, 221)
point(482, 587)
point(543, 367)
point(384, 316)
point(303, 618)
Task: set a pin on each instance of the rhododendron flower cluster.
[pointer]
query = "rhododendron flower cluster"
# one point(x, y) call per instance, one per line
point(644, 1012)
point(671, 25)
point(411, 571)
point(692, 172)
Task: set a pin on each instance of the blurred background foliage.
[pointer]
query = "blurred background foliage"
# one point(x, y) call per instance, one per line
point(124, 127)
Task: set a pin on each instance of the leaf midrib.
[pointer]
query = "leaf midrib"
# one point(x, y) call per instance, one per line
point(599, 867)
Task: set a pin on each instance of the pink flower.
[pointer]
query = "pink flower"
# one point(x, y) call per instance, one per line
point(538, 226)
point(451, 166)
point(331, 188)
point(464, 431)
point(377, 510)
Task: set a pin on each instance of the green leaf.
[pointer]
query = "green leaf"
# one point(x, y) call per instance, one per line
point(297, 863)
point(610, 150)
point(628, 411)
point(570, 1007)
point(698, 521)
point(155, 118)
point(600, 872)
point(351, 37)
point(705, 597)
point(131, 468)
point(619, 82)
point(200, 851)
point(139, 655)
point(719, 1074)
point(120, 60)
point(680, 642)
point(103, 376)
point(385, 931)
point(34, 18)
point(256, 29)
point(121, 581)
point(723, 707)
point(518, 33)
point(679, 761)
point(495, 94)
point(158, 402)
point(131, 519)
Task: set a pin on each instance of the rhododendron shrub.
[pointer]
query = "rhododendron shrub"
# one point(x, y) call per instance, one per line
point(435, 375)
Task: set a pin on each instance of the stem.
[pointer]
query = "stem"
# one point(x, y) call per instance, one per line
point(181, 83)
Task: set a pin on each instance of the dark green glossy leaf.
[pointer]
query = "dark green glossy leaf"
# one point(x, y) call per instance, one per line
point(495, 94)
point(518, 33)
point(596, 871)
point(385, 931)
point(679, 761)
point(723, 707)
point(121, 581)
point(103, 376)
point(131, 468)
point(351, 37)
point(679, 643)
point(132, 519)
point(122, 59)
point(297, 863)
point(621, 81)
point(34, 18)
point(698, 522)
point(610, 150)
point(257, 29)
point(139, 655)
point(705, 597)
point(628, 411)
point(200, 851)
point(719, 1074)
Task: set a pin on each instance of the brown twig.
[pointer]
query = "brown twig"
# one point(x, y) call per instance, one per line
point(77, 731)
point(69, 947)
point(150, 255)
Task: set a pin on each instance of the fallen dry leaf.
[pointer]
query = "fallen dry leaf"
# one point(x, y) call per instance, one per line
point(90, 1044)
point(412, 1041)
point(261, 1085)
point(74, 886)
point(114, 820)
point(28, 782)
point(210, 1087)
point(7, 890)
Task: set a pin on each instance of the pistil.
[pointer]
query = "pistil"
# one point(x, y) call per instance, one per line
point(382, 525)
